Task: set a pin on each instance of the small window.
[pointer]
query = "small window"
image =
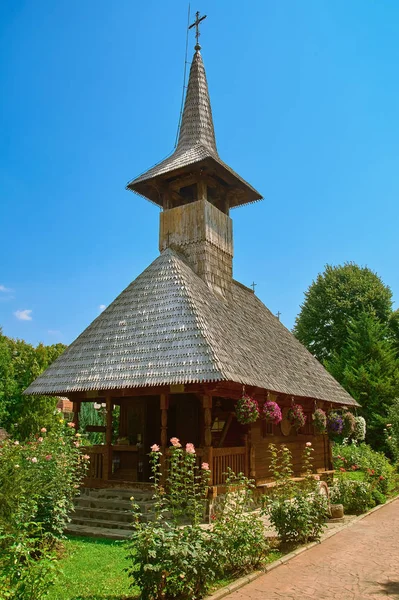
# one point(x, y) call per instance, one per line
point(218, 424)
point(267, 428)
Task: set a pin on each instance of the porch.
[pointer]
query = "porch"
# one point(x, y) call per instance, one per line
point(133, 423)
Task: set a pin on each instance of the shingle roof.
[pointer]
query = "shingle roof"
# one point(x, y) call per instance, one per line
point(196, 145)
point(167, 327)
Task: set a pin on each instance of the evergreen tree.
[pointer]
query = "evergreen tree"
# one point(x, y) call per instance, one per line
point(367, 367)
point(339, 295)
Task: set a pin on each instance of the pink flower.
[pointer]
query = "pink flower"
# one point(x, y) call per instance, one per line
point(34, 459)
point(48, 457)
point(40, 439)
point(76, 444)
point(71, 424)
point(155, 448)
point(308, 444)
point(86, 457)
point(175, 442)
point(190, 449)
point(16, 443)
point(43, 430)
point(317, 477)
point(205, 466)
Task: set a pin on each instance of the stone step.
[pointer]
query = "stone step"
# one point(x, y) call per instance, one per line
point(110, 504)
point(117, 494)
point(104, 523)
point(101, 514)
point(100, 532)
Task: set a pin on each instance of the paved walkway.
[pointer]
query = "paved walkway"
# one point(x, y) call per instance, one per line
point(359, 563)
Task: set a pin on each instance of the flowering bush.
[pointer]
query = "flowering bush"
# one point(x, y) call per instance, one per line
point(238, 537)
point(172, 555)
point(168, 560)
point(38, 481)
point(247, 410)
point(335, 423)
point(349, 424)
point(296, 416)
point(272, 412)
point(377, 469)
point(298, 511)
point(355, 496)
point(320, 421)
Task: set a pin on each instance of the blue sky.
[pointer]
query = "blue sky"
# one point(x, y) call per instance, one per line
point(305, 98)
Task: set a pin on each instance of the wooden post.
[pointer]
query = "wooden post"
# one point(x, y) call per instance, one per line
point(108, 440)
point(164, 405)
point(76, 411)
point(208, 454)
point(202, 190)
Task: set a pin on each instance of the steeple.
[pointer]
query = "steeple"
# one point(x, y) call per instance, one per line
point(172, 182)
point(197, 123)
point(196, 189)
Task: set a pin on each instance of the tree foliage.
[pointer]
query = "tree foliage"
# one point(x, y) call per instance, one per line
point(338, 296)
point(367, 367)
point(20, 364)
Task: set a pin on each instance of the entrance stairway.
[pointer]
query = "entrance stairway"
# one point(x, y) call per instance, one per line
point(107, 512)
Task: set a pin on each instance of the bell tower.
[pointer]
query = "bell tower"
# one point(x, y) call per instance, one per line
point(196, 189)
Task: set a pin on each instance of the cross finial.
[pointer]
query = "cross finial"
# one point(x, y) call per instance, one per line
point(253, 286)
point(196, 23)
point(278, 314)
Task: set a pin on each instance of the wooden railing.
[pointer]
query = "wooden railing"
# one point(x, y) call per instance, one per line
point(223, 458)
point(96, 462)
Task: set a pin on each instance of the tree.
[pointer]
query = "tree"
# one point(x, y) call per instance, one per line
point(339, 295)
point(20, 364)
point(368, 369)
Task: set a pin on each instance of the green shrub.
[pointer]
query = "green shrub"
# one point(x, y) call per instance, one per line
point(376, 466)
point(238, 534)
point(38, 481)
point(171, 555)
point(355, 496)
point(298, 511)
point(378, 497)
point(169, 560)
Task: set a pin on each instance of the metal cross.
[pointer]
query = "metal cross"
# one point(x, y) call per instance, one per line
point(253, 286)
point(196, 25)
point(278, 314)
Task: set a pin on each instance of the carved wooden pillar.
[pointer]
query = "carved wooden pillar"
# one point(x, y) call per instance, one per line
point(164, 405)
point(76, 411)
point(207, 406)
point(107, 468)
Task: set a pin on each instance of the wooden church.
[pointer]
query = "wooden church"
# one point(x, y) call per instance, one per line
point(177, 348)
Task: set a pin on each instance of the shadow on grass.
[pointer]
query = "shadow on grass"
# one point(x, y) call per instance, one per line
point(104, 597)
point(390, 589)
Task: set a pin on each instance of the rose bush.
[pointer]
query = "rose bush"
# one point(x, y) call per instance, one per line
point(38, 481)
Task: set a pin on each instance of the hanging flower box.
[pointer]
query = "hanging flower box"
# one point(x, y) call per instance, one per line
point(296, 417)
point(335, 423)
point(247, 410)
point(319, 418)
point(349, 424)
point(359, 432)
point(271, 412)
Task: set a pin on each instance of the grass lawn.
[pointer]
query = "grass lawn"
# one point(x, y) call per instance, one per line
point(93, 570)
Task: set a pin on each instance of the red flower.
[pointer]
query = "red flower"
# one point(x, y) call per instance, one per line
point(342, 469)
